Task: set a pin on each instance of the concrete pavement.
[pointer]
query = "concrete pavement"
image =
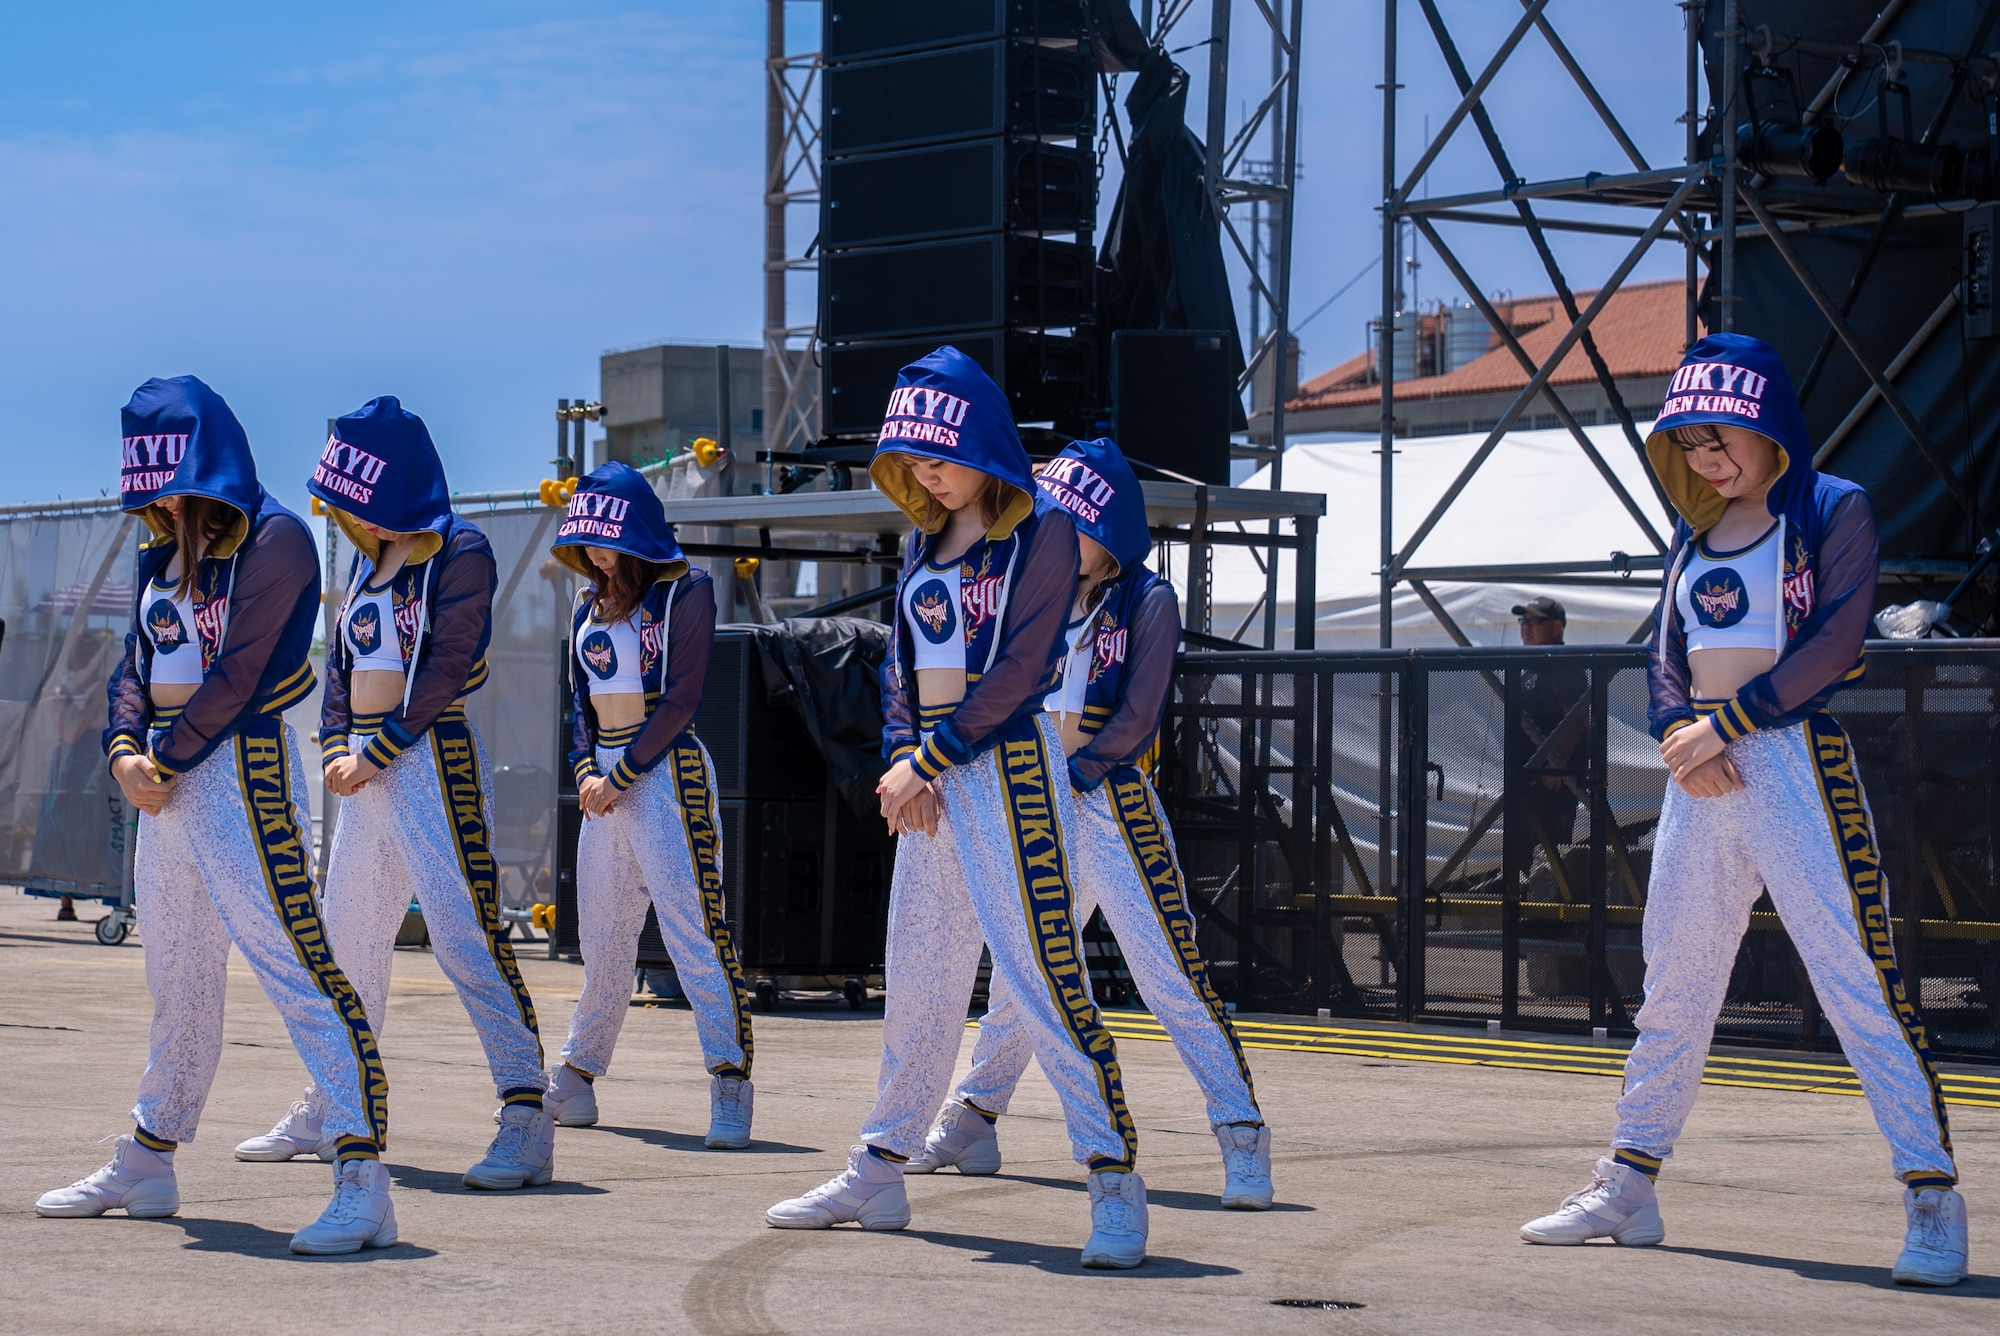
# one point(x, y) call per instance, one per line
point(1400, 1187)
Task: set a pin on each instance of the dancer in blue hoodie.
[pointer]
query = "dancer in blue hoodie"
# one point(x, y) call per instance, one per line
point(1123, 634)
point(408, 646)
point(977, 789)
point(1768, 593)
point(228, 596)
point(640, 637)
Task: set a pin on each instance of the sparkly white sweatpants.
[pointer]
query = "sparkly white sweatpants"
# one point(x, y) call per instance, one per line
point(996, 873)
point(660, 845)
point(421, 830)
point(1125, 865)
point(1800, 827)
point(228, 860)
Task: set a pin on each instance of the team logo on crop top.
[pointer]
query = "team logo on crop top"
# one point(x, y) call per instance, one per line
point(1719, 598)
point(932, 607)
point(164, 624)
point(1110, 649)
point(364, 628)
point(600, 656)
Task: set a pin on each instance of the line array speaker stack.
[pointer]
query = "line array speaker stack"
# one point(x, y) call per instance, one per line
point(958, 198)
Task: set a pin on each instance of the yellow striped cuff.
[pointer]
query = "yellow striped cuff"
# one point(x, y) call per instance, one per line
point(928, 760)
point(585, 768)
point(381, 751)
point(164, 769)
point(622, 775)
point(333, 748)
point(124, 745)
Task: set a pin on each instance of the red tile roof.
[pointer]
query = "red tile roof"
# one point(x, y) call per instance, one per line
point(1639, 332)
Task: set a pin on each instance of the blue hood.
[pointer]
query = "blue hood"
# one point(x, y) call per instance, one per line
point(1092, 481)
point(1731, 380)
point(379, 465)
point(180, 439)
point(615, 507)
point(946, 407)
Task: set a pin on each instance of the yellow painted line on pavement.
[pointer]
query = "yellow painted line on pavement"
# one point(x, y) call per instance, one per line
point(1804, 1077)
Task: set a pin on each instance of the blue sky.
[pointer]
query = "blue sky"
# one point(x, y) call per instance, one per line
point(464, 204)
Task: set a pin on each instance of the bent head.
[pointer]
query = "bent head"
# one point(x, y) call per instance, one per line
point(1735, 461)
point(955, 486)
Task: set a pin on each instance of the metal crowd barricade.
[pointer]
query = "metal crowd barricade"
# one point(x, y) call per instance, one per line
point(1466, 835)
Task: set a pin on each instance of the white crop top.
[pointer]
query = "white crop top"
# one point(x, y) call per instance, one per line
point(610, 656)
point(170, 626)
point(936, 621)
point(1067, 698)
point(1733, 600)
point(369, 625)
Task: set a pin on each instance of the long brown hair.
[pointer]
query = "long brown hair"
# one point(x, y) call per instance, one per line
point(991, 500)
point(623, 588)
point(200, 525)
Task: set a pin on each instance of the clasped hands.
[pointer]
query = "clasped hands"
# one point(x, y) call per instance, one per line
point(1697, 757)
point(908, 800)
point(143, 785)
point(346, 774)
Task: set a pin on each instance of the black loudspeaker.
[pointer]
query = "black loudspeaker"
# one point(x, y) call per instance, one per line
point(989, 185)
point(1047, 376)
point(1171, 399)
point(939, 286)
point(967, 92)
point(1982, 231)
point(862, 29)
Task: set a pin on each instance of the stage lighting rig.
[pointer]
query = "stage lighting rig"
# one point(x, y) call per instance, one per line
point(1774, 142)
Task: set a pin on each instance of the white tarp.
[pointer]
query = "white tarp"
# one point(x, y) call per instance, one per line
point(1535, 499)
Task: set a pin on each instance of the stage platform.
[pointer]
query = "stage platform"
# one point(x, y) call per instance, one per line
point(1401, 1180)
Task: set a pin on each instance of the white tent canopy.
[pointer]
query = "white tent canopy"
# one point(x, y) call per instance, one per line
point(1535, 499)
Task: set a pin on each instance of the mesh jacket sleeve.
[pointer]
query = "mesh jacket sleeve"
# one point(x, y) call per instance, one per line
point(690, 640)
point(335, 713)
point(276, 569)
point(131, 711)
point(582, 758)
point(461, 617)
point(1825, 652)
point(899, 723)
point(1668, 706)
point(1155, 637)
point(1038, 600)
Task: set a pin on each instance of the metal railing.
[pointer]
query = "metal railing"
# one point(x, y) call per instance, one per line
point(1466, 835)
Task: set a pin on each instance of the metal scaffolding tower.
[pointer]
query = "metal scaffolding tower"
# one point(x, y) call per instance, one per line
point(1697, 203)
point(791, 179)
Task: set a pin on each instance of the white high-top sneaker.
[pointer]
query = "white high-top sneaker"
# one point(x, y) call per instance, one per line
point(138, 1181)
point(869, 1193)
point(1246, 1167)
point(1619, 1203)
point(729, 1106)
point(523, 1153)
point(1117, 1221)
point(962, 1138)
point(361, 1215)
point(299, 1132)
point(570, 1100)
point(1934, 1251)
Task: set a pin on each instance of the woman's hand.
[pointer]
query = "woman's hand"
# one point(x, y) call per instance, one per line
point(899, 784)
point(596, 796)
point(141, 783)
point(918, 814)
point(1687, 748)
point(1711, 779)
point(346, 774)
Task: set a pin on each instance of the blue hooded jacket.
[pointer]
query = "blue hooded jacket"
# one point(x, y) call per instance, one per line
point(380, 466)
point(1015, 584)
point(615, 507)
point(255, 590)
point(1826, 535)
point(1136, 620)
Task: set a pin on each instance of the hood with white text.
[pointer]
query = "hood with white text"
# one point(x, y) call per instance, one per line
point(180, 439)
point(379, 465)
point(945, 407)
point(1731, 380)
point(1092, 481)
point(615, 507)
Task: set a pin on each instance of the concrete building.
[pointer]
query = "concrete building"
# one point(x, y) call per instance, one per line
point(657, 399)
point(1453, 376)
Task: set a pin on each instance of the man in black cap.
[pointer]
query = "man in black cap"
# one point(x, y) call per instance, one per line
point(1548, 692)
